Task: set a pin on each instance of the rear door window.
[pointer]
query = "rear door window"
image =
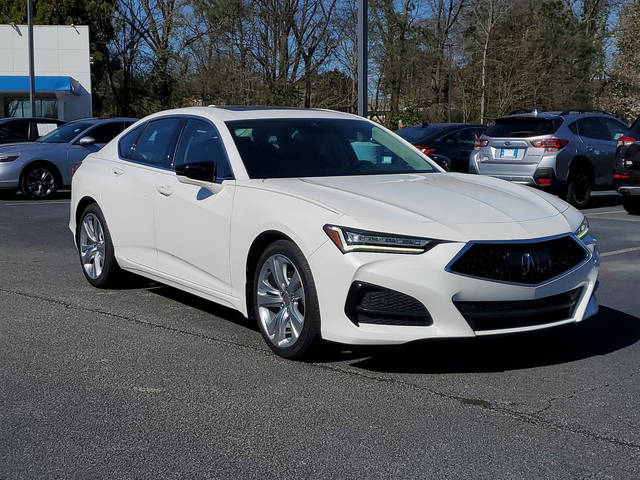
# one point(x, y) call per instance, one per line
point(593, 127)
point(523, 127)
point(157, 142)
point(127, 143)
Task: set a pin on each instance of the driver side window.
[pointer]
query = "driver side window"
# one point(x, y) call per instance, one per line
point(200, 143)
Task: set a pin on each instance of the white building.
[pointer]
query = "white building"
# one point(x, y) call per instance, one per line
point(62, 71)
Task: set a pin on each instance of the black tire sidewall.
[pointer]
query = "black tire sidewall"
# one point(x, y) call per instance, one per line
point(110, 268)
point(571, 197)
point(310, 335)
point(23, 182)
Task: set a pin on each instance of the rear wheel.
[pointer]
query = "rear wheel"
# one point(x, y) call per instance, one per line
point(39, 182)
point(285, 302)
point(631, 205)
point(579, 188)
point(95, 249)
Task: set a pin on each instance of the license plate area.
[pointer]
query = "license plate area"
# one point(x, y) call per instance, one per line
point(508, 153)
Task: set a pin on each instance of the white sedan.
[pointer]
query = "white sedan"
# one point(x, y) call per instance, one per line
point(324, 225)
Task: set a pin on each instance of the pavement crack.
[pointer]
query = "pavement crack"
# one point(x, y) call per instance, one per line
point(534, 418)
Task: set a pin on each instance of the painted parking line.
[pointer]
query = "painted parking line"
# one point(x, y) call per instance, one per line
point(603, 213)
point(621, 251)
point(620, 219)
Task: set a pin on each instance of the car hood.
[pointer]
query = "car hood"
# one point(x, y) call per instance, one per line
point(456, 206)
point(28, 147)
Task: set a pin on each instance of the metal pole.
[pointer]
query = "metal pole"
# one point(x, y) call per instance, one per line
point(449, 89)
point(363, 67)
point(32, 78)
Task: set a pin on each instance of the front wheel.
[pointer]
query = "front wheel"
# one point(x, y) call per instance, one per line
point(579, 189)
point(95, 248)
point(631, 205)
point(285, 302)
point(39, 182)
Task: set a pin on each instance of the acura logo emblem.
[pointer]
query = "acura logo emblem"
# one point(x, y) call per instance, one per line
point(534, 262)
point(506, 144)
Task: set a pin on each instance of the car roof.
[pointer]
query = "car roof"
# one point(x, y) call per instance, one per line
point(226, 113)
point(568, 115)
point(38, 119)
point(97, 121)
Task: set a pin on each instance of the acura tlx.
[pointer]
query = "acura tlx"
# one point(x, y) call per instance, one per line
point(324, 225)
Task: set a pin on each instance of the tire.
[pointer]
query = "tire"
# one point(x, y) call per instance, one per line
point(280, 302)
point(99, 264)
point(39, 182)
point(578, 189)
point(631, 205)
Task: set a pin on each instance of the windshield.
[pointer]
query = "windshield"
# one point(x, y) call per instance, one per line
point(519, 127)
point(65, 133)
point(279, 148)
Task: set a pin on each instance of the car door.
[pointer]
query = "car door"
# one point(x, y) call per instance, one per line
point(597, 146)
point(129, 190)
point(192, 223)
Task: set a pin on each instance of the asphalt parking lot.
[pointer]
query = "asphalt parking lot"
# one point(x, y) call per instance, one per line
point(149, 382)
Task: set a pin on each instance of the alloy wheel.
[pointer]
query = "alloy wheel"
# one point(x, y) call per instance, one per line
point(281, 300)
point(92, 246)
point(40, 182)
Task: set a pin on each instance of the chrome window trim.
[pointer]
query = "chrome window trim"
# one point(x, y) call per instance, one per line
point(469, 244)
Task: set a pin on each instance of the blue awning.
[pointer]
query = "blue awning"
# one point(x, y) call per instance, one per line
point(20, 83)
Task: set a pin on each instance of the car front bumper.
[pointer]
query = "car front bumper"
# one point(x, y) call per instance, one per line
point(424, 278)
point(10, 174)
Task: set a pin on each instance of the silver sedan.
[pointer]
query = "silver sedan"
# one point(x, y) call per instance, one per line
point(39, 169)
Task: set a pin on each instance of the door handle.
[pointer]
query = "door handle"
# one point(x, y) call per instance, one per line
point(117, 171)
point(165, 190)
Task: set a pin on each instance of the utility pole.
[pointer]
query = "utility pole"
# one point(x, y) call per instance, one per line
point(363, 67)
point(449, 88)
point(32, 78)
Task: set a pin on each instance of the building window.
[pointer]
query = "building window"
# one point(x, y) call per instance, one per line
point(20, 107)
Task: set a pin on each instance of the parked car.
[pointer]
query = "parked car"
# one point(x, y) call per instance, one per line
point(569, 153)
point(26, 129)
point(627, 174)
point(449, 144)
point(324, 225)
point(41, 168)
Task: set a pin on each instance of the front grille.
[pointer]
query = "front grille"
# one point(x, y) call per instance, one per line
point(519, 313)
point(368, 303)
point(524, 262)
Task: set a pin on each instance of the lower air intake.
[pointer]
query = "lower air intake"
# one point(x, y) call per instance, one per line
point(519, 313)
point(372, 304)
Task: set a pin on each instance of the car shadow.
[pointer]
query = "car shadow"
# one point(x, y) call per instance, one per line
point(196, 302)
point(606, 200)
point(607, 332)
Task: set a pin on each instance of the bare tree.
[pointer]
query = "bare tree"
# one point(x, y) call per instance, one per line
point(487, 13)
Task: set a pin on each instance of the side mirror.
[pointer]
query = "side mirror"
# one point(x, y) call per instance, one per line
point(199, 174)
point(86, 141)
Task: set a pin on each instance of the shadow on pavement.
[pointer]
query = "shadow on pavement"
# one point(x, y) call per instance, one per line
point(605, 201)
point(609, 331)
point(201, 304)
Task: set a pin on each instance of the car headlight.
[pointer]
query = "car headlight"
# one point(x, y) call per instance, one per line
point(353, 240)
point(583, 229)
point(8, 157)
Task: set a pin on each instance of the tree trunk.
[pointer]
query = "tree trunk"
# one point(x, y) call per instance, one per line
point(483, 79)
